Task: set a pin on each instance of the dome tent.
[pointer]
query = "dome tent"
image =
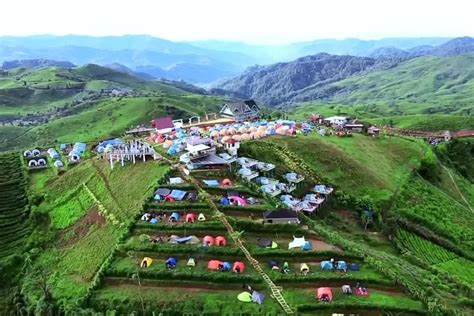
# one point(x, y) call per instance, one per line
point(220, 241)
point(341, 266)
point(324, 293)
point(27, 153)
point(304, 268)
point(326, 265)
point(32, 163)
point(353, 267)
point(146, 262)
point(258, 297)
point(201, 217)
point(190, 218)
point(214, 264)
point(208, 241)
point(171, 262)
point(191, 262)
point(346, 289)
point(238, 267)
point(226, 266)
point(174, 217)
point(226, 182)
point(245, 297)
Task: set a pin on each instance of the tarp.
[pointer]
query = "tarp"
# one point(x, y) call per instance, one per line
point(176, 180)
point(211, 183)
point(307, 246)
point(214, 264)
point(322, 189)
point(297, 242)
point(220, 241)
point(326, 265)
point(178, 195)
point(324, 291)
point(353, 267)
point(245, 297)
point(148, 261)
point(258, 297)
point(238, 267)
point(163, 191)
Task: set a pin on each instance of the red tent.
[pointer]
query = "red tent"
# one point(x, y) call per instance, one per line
point(226, 182)
point(214, 264)
point(190, 218)
point(238, 267)
point(208, 240)
point(324, 291)
point(220, 241)
point(169, 199)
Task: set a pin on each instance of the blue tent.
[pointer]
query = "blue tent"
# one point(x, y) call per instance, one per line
point(326, 265)
point(211, 183)
point(262, 180)
point(307, 246)
point(172, 150)
point(226, 266)
point(224, 201)
point(171, 261)
point(62, 146)
point(258, 297)
point(341, 265)
point(178, 195)
point(353, 267)
point(79, 149)
point(157, 197)
point(174, 216)
point(154, 221)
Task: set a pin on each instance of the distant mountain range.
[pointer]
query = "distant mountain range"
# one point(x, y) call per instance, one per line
point(203, 62)
point(323, 76)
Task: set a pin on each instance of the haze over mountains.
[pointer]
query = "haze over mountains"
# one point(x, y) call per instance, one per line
point(201, 62)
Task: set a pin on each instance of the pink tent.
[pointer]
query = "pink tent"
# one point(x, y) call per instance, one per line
point(208, 241)
point(220, 241)
point(237, 199)
point(190, 218)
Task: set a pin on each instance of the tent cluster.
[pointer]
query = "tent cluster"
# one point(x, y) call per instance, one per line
point(254, 296)
point(214, 241)
point(324, 294)
point(338, 265)
point(168, 195)
point(156, 217)
point(107, 146)
point(235, 198)
point(175, 239)
point(170, 262)
point(216, 183)
point(223, 266)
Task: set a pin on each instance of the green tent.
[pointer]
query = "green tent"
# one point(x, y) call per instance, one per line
point(245, 297)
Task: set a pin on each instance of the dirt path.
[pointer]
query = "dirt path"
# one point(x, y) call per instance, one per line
point(188, 286)
point(80, 228)
point(457, 188)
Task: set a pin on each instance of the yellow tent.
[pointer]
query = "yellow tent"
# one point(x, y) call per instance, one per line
point(146, 262)
point(201, 217)
point(304, 268)
point(191, 262)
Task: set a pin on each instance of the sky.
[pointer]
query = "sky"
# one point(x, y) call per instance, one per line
point(252, 21)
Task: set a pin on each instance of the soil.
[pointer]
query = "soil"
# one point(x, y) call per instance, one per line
point(81, 228)
point(163, 285)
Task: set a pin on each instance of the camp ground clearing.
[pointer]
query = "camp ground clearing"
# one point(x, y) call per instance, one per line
point(213, 217)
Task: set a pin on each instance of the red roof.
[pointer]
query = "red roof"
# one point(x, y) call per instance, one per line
point(162, 122)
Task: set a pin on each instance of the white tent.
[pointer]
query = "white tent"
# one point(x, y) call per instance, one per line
point(296, 243)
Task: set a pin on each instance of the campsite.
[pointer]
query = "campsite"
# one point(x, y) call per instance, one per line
point(272, 217)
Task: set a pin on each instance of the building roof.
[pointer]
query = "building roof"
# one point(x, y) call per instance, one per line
point(198, 148)
point(163, 122)
point(240, 107)
point(197, 141)
point(280, 214)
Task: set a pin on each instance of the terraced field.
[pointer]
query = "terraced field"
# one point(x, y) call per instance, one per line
point(159, 289)
point(14, 206)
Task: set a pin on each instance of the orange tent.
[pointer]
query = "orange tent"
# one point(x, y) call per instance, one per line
point(190, 218)
point(220, 241)
point(226, 182)
point(324, 291)
point(214, 264)
point(208, 241)
point(238, 267)
point(225, 139)
point(236, 137)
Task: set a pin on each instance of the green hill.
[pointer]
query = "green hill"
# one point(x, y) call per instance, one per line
point(48, 105)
